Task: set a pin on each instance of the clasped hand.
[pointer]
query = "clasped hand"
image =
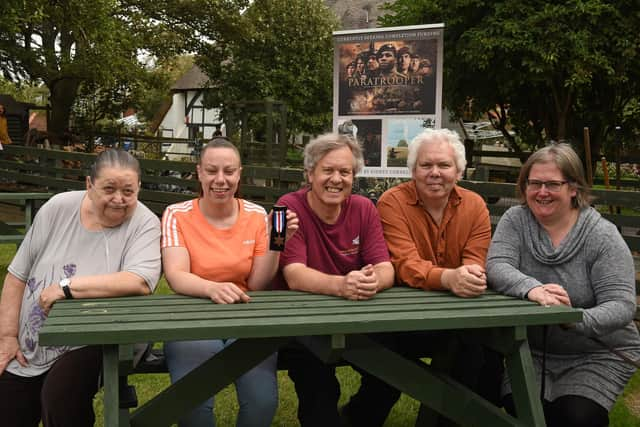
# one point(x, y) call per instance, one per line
point(466, 280)
point(360, 284)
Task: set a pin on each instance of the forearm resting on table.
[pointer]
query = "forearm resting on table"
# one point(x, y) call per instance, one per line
point(299, 277)
point(122, 283)
point(187, 283)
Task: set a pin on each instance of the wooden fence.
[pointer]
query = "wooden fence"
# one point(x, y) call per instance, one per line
point(165, 182)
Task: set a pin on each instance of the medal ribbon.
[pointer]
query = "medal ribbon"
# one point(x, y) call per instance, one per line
point(279, 221)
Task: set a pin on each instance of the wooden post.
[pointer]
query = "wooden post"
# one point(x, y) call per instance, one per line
point(269, 140)
point(618, 143)
point(605, 173)
point(282, 134)
point(468, 148)
point(245, 147)
point(587, 153)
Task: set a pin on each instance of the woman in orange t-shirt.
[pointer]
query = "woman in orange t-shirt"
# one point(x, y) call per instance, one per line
point(216, 247)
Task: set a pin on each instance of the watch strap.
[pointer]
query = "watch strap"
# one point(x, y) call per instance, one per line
point(64, 284)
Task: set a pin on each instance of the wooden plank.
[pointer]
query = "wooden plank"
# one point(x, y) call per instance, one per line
point(167, 165)
point(398, 294)
point(623, 220)
point(261, 307)
point(633, 242)
point(487, 189)
point(617, 197)
point(525, 393)
point(202, 313)
point(191, 184)
point(8, 231)
point(164, 330)
point(41, 153)
point(163, 196)
point(44, 181)
point(25, 196)
point(111, 386)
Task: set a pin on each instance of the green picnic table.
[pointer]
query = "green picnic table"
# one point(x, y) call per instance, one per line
point(340, 327)
point(9, 232)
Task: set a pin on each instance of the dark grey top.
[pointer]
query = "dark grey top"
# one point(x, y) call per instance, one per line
point(592, 263)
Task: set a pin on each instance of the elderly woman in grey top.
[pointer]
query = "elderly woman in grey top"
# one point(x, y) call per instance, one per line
point(96, 243)
point(556, 249)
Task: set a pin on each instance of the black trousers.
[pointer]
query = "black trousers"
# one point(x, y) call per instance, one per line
point(316, 385)
point(61, 397)
point(568, 411)
point(467, 362)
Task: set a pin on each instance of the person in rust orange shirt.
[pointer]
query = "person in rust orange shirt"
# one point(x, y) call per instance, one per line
point(438, 235)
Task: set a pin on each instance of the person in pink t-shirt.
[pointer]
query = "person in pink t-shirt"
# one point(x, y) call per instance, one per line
point(339, 249)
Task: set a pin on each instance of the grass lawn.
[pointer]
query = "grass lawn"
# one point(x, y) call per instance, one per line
point(626, 413)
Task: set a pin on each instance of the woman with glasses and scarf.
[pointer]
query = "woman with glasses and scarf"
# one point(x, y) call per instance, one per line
point(555, 249)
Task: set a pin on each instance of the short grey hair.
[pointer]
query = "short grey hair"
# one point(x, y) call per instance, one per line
point(431, 136)
point(112, 158)
point(323, 144)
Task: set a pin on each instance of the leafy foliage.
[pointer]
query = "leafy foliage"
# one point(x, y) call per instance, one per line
point(277, 49)
point(546, 68)
point(70, 43)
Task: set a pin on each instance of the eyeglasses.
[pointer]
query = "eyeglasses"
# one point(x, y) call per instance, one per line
point(552, 186)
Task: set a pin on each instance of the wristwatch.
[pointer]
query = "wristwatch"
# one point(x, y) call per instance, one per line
point(64, 284)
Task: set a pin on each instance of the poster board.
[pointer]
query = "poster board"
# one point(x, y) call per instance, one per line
point(387, 87)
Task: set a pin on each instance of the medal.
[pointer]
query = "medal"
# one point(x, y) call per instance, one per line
point(278, 228)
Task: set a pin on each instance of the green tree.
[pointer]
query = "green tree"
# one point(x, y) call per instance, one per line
point(24, 91)
point(146, 92)
point(69, 43)
point(279, 49)
point(547, 68)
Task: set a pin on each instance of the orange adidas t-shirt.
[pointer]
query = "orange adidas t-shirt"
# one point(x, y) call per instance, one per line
point(218, 255)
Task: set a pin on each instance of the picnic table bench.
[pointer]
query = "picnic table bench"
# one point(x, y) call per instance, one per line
point(14, 232)
point(272, 319)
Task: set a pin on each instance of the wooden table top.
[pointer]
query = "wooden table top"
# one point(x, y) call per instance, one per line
point(129, 320)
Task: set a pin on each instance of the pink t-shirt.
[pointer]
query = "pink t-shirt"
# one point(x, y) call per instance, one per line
point(354, 241)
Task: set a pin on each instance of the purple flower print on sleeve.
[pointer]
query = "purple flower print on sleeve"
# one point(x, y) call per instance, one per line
point(69, 270)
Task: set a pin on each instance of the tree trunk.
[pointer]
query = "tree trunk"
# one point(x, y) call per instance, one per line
point(63, 94)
